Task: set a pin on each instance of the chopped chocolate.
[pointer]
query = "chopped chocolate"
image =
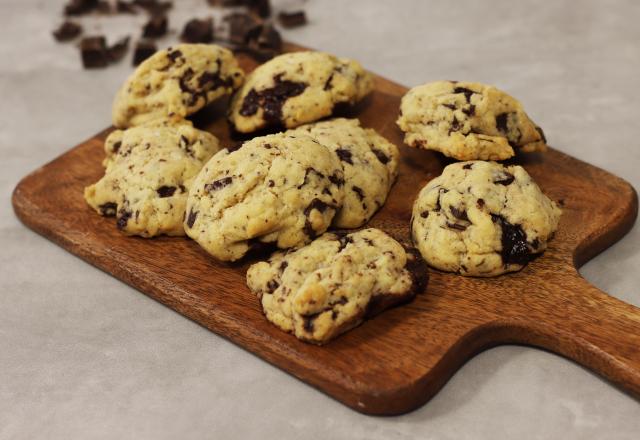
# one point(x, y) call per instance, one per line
point(466, 92)
point(118, 50)
point(198, 31)
point(156, 27)
point(319, 206)
point(292, 19)
point(94, 52)
point(123, 218)
point(467, 166)
point(218, 184)
point(336, 180)
point(539, 130)
point(480, 203)
point(456, 226)
point(191, 219)
point(124, 7)
point(67, 31)
point(344, 241)
point(108, 209)
point(239, 26)
point(263, 42)
point(166, 191)
point(154, 6)
point(515, 249)
point(308, 322)
point(470, 111)
point(260, 7)
point(460, 214)
point(501, 122)
point(272, 99)
point(80, 7)
point(144, 49)
point(424, 214)
point(272, 285)
point(307, 172)
point(358, 191)
point(344, 155)
point(383, 158)
point(506, 179)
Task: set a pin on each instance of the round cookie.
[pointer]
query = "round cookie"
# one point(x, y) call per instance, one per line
point(370, 164)
point(467, 121)
point(482, 219)
point(295, 88)
point(175, 83)
point(149, 170)
point(281, 188)
point(330, 286)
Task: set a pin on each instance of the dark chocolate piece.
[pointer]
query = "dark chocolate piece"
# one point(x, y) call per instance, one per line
point(198, 31)
point(239, 26)
point(515, 249)
point(260, 7)
point(156, 27)
point(271, 100)
point(218, 184)
point(67, 31)
point(123, 218)
point(319, 206)
point(345, 155)
point(154, 6)
point(506, 179)
point(94, 52)
point(166, 191)
point(118, 50)
point(80, 7)
point(292, 19)
point(191, 219)
point(263, 42)
point(358, 191)
point(108, 209)
point(144, 49)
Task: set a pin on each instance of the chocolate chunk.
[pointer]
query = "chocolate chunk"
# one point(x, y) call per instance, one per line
point(506, 179)
point(418, 270)
point(118, 50)
point(470, 111)
point(467, 166)
point(308, 322)
point(116, 147)
point(292, 19)
point(94, 52)
point(345, 155)
point(218, 184)
point(542, 136)
point(449, 106)
point(108, 209)
point(283, 266)
point(383, 158)
point(166, 191)
point(239, 26)
point(79, 7)
point(260, 7)
point(424, 214)
point(480, 203)
point(123, 218)
point(67, 31)
point(272, 285)
point(124, 7)
point(198, 31)
point(501, 122)
point(318, 205)
point(156, 26)
point(358, 191)
point(336, 180)
point(154, 6)
point(344, 241)
point(515, 249)
point(144, 49)
point(272, 99)
point(467, 92)
point(191, 219)
point(308, 172)
point(460, 214)
point(456, 226)
point(263, 42)
point(174, 54)
point(212, 80)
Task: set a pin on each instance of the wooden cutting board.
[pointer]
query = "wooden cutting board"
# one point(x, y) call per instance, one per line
point(400, 359)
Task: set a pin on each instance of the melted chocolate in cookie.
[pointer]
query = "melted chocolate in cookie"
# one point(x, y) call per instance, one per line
point(271, 100)
point(515, 249)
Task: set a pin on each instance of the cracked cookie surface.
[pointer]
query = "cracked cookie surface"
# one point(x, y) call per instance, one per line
point(482, 219)
point(296, 88)
point(331, 285)
point(370, 164)
point(467, 121)
point(149, 170)
point(283, 189)
point(175, 83)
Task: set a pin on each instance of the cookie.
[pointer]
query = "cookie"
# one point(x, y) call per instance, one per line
point(283, 189)
point(467, 121)
point(149, 170)
point(175, 83)
point(296, 88)
point(482, 219)
point(370, 164)
point(330, 286)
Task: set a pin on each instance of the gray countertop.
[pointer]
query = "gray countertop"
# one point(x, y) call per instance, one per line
point(82, 355)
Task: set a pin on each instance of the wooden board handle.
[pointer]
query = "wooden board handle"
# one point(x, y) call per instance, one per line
point(582, 323)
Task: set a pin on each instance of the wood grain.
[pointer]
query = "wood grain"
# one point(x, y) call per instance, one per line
point(400, 359)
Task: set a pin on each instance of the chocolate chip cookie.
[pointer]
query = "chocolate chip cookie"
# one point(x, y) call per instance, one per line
point(283, 189)
point(370, 164)
point(482, 219)
point(330, 286)
point(296, 88)
point(175, 83)
point(467, 121)
point(149, 170)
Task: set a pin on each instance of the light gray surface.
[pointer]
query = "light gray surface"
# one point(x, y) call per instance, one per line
point(84, 356)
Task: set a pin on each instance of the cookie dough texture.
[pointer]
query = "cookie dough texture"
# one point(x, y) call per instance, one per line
point(467, 121)
point(149, 170)
point(482, 219)
point(283, 189)
point(334, 283)
point(175, 83)
point(370, 164)
point(295, 88)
